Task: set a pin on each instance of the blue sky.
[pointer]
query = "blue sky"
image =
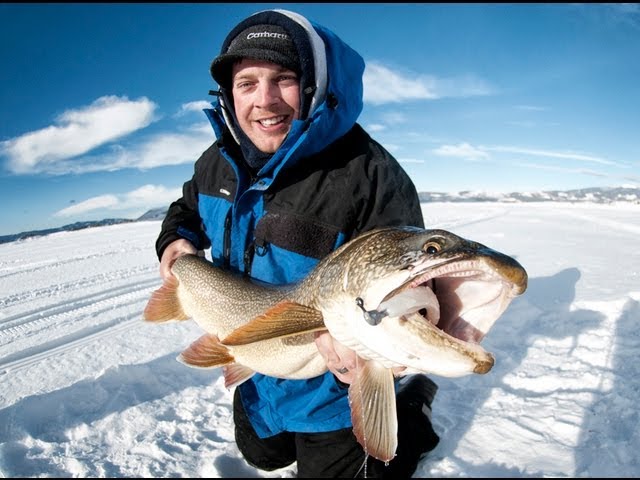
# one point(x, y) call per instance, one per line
point(100, 105)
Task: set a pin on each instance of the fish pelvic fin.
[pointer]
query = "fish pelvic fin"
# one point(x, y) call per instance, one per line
point(164, 304)
point(206, 352)
point(373, 410)
point(235, 374)
point(284, 319)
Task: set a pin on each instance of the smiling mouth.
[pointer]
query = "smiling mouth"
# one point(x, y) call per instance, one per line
point(270, 122)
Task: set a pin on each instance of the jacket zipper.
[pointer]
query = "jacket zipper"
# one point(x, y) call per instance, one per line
point(226, 243)
point(256, 247)
point(248, 259)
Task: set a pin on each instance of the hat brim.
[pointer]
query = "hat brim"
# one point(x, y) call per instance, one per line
point(221, 65)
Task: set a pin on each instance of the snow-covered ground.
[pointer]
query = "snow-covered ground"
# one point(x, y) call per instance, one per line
point(88, 389)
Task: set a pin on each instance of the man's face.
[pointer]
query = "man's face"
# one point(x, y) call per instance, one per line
point(267, 100)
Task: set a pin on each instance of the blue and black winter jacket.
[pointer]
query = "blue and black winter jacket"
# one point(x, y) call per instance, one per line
point(328, 182)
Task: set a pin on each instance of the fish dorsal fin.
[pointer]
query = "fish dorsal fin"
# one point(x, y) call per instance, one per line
point(373, 410)
point(164, 304)
point(282, 320)
point(206, 352)
point(235, 374)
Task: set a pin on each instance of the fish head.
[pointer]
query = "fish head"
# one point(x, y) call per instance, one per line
point(473, 284)
point(406, 294)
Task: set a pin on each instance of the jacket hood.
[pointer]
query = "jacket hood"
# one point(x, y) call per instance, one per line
point(330, 85)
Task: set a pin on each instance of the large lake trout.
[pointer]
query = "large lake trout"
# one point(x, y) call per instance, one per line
point(398, 296)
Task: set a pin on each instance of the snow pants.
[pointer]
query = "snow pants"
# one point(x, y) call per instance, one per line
point(335, 454)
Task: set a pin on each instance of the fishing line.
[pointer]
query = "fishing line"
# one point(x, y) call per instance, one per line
point(364, 465)
point(364, 430)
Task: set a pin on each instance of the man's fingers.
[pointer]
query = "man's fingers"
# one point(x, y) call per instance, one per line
point(175, 249)
point(340, 360)
point(324, 342)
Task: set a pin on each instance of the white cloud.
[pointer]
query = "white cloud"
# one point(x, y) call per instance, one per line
point(533, 108)
point(556, 168)
point(96, 203)
point(524, 123)
point(632, 178)
point(375, 127)
point(141, 199)
point(394, 118)
point(410, 160)
point(465, 150)
point(549, 153)
point(462, 150)
point(388, 119)
point(196, 106)
point(154, 194)
point(171, 148)
point(76, 132)
point(383, 84)
point(150, 152)
point(615, 14)
point(392, 147)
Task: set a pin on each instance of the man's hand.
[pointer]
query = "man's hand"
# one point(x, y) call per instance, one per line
point(174, 250)
point(342, 361)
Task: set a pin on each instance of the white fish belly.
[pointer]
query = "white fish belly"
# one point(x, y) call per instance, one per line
point(292, 358)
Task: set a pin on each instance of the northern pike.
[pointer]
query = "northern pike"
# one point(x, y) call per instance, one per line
point(397, 296)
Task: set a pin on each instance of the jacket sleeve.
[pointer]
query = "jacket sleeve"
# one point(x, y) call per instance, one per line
point(392, 197)
point(183, 220)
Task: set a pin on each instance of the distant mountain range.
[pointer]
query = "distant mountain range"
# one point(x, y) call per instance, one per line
point(583, 195)
point(592, 195)
point(154, 214)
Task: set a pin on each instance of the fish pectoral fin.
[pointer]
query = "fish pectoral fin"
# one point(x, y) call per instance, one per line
point(282, 320)
point(164, 304)
point(206, 352)
point(235, 374)
point(373, 410)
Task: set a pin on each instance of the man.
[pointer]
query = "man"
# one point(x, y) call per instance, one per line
point(291, 177)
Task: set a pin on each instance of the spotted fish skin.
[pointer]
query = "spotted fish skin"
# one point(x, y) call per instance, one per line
point(398, 296)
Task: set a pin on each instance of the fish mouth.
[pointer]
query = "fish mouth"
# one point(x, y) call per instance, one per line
point(461, 297)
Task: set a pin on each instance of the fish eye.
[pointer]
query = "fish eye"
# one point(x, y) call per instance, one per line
point(431, 248)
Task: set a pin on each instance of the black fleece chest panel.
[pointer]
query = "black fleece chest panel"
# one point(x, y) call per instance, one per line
point(297, 234)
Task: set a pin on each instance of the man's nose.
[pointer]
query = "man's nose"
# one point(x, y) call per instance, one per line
point(267, 94)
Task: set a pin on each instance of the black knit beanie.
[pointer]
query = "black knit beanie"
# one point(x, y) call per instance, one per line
point(266, 42)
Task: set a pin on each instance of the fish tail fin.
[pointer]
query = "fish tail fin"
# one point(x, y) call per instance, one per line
point(164, 304)
point(373, 410)
point(206, 352)
point(235, 374)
